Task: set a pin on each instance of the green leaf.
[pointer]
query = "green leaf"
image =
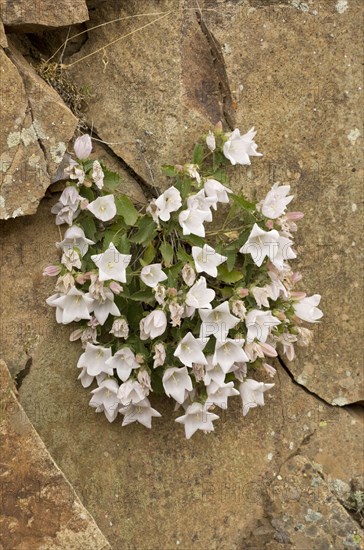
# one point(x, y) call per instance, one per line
point(198, 154)
point(110, 237)
point(169, 170)
point(146, 232)
point(221, 176)
point(112, 180)
point(124, 244)
point(173, 273)
point(126, 209)
point(226, 291)
point(195, 240)
point(88, 193)
point(183, 256)
point(134, 312)
point(231, 259)
point(229, 276)
point(149, 255)
point(143, 296)
point(167, 253)
point(243, 203)
point(87, 164)
point(89, 227)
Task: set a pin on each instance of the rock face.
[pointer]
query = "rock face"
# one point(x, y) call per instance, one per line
point(160, 85)
point(30, 16)
point(304, 512)
point(36, 128)
point(158, 475)
point(294, 75)
point(22, 263)
point(39, 508)
point(284, 475)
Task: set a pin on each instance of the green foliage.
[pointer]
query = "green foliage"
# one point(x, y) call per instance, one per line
point(143, 296)
point(112, 180)
point(169, 170)
point(167, 253)
point(243, 203)
point(89, 227)
point(226, 276)
point(149, 254)
point(147, 231)
point(126, 209)
point(198, 154)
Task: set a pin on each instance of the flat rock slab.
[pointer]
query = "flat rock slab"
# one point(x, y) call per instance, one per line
point(26, 16)
point(36, 128)
point(39, 507)
point(155, 88)
point(225, 476)
point(304, 513)
point(296, 75)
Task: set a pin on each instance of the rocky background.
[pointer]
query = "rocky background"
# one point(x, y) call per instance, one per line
point(147, 78)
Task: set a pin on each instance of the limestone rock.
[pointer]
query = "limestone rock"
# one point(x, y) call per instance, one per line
point(36, 127)
point(306, 514)
point(154, 91)
point(142, 468)
point(30, 16)
point(294, 75)
point(3, 40)
point(26, 248)
point(39, 508)
point(128, 186)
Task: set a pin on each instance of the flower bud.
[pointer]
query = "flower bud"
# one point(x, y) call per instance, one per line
point(76, 334)
point(210, 141)
point(268, 350)
point(188, 274)
point(83, 147)
point(115, 287)
point(242, 292)
point(296, 277)
point(84, 204)
point(279, 314)
point(294, 216)
point(269, 369)
point(83, 277)
point(51, 271)
point(298, 295)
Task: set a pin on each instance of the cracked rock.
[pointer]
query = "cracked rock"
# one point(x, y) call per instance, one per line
point(296, 77)
point(26, 16)
point(306, 513)
point(153, 92)
point(36, 128)
point(39, 508)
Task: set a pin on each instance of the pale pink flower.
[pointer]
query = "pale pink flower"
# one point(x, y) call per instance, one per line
point(51, 271)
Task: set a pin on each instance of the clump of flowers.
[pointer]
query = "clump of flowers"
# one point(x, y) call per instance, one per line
point(167, 298)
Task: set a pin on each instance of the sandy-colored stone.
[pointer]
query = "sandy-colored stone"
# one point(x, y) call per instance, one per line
point(304, 513)
point(3, 40)
point(39, 508)
point(27, 246)
point(26, 16)
point(296, 75)
point(158, 474)
point(289, 76)
point(36, 128)
point(153, 92)
point(128, 184)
